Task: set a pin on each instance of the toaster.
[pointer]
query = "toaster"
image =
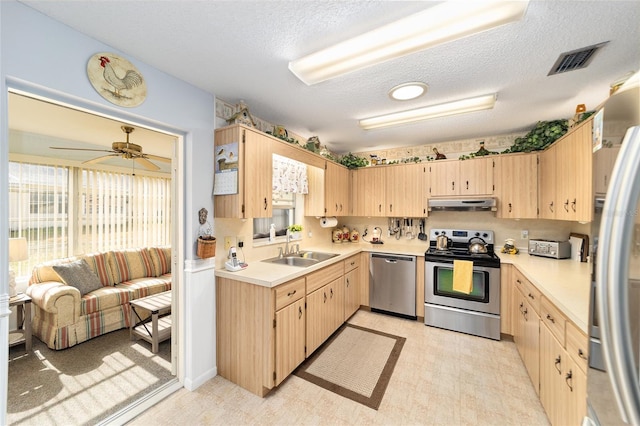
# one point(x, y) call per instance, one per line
point(550, 248)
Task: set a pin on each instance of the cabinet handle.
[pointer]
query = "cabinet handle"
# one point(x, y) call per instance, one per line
point(291, 293)
point(325, 297)
point(573, 204)
point(380, 207)
point(566, 205)
point(551, 206)
point(347, 282)
point(510, 207)
point(569, 380)
point(557, 363)
point(336, 206)
point(581, 354)
point(265, 203)
point(453, 186)
point(467, 184)
point(299, 312)
point(331, 290)
point(519, 282)
point(531, 296)
point(550, 318)
point(353, 263)
point(391, 208)
point(524, 314)
point(340, 206)
point(521, 306)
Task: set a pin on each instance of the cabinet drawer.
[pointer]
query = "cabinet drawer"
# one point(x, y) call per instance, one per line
point(577, 345)
point(317, 279)
point(554, 319)
point(519, 281)
point(288, 293)
point(533, 295)
point(351, 263)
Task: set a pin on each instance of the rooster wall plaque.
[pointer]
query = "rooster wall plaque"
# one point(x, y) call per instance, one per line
point(116, 79)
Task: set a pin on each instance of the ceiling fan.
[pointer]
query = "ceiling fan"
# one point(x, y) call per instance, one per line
point(126, 150)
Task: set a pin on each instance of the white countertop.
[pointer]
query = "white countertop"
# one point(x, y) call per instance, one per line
point(564, 282)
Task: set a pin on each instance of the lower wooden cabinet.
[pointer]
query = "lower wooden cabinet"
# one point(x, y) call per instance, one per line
point(290, 339)
point(526, 327)
point(351, 292)
point(325, 313)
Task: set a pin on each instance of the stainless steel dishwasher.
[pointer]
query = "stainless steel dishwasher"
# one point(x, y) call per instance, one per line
point(392, 284)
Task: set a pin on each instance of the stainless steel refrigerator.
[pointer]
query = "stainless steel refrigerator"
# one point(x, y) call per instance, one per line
point(613, 379)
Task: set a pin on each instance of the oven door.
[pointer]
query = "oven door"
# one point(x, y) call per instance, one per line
point(485, 296)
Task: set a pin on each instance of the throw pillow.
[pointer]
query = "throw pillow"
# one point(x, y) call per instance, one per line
point(79, 275)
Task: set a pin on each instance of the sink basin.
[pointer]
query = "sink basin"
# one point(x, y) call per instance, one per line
point(293, 261)
point(302, 259)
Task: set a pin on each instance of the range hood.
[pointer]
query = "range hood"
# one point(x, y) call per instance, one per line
point(463, 204)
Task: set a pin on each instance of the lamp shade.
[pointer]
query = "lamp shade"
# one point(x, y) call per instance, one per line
point(18, 249)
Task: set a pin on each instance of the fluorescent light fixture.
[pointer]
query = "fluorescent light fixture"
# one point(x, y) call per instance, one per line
point(436, 25)
point(407, 91)
point(462, 106)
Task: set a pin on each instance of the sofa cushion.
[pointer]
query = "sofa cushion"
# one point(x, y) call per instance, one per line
point(98, 263)
point(104, 298)
point(143, 287)
point(79, 275)
point(44, 272)
point(161, 258)
point(130, 264)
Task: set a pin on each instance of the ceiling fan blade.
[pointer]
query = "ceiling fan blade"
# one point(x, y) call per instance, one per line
point(81, 149)
point(157, 158)
point(146, 163)
point(99, 159)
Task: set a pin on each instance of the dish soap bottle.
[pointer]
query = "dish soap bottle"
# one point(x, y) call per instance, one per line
point(272, 233)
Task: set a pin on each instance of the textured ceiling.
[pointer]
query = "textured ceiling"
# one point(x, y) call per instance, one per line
point(239, 50)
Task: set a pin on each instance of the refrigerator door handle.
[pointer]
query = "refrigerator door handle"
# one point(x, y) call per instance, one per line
point(612, 277)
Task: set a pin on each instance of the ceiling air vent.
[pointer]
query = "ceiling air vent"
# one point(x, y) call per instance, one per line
point(576, 59)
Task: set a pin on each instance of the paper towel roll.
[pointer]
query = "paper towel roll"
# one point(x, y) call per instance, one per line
point(328, 222)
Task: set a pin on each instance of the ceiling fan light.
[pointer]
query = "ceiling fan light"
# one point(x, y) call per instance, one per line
point(408, 91)
point(461, 106)
point(436, 25)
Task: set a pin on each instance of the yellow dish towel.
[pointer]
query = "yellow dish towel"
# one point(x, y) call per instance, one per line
point(463, 276)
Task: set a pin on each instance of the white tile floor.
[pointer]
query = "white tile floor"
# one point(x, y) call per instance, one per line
point(441, 378)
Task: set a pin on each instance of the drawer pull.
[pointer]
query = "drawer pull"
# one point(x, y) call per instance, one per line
point(325, 297)
point(531, 296)
point(557, 363)
point(569, 380)
point(519, 282)
point(353, 263)
point(526, 311)
point(347, 282)
point(550, 318)
point(291, 293)
point(299, 312)
point(521, 306)
point(581, 354)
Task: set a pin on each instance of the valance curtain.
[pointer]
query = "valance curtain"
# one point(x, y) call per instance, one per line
point(289, 176)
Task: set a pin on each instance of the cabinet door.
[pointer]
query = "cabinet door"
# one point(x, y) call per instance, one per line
point(518, 186)
point(552, 365)
point(574, 394)
point(335, 317)
point(405, 190)
point(258, 173)
point(566, 178)
point(604, 160)
point(316, 313)
point(548, 181)
point(290, 339)
point(336, 190)
point(518, 309)
point(582, 202)
point(443, 176)
point(314, 203)
point(532, 345)
point(368, 192)
point(506, 297)
point(476, 176)
point(352, 293)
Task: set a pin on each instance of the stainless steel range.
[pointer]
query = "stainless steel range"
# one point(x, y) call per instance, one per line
point(474, 312)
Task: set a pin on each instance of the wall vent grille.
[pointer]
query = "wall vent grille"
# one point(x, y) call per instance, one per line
point(575, 60)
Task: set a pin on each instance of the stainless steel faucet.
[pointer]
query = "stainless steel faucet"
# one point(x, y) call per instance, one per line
point(286, 247)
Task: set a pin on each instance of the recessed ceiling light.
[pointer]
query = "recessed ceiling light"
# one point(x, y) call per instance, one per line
point(407, 91)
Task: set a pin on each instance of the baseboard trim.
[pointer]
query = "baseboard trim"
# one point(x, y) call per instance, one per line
point(194, 384)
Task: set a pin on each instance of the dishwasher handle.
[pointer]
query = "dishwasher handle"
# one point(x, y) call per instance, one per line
point(391, 261)
point(393, 258)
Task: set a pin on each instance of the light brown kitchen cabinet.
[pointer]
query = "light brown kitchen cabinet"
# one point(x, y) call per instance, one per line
point(325, 313)
point(466, 177)
point(369, 192)
point(337, 197)
point(604, 160)
point(507, 287)
point(255, 170)
point(526, 325)
point(290, 338)
point(351, 286)
point(517, 186)
point(314, 203)
point(548, 181)
point(405, 193)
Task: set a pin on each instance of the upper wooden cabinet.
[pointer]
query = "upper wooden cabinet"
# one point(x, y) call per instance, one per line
point(388, 191)
point(566, 183)
point(336, 195)
point(468, 177)
point(255, 169)
point(517, 186)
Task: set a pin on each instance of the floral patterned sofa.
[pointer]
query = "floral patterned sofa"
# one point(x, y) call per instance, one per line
point(76, 299)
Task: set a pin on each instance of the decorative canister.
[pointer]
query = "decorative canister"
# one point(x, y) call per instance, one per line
point(345, 234)
point(354, 236)
point(337, 235)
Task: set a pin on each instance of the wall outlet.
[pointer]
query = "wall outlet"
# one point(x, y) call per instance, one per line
point(228, 242)
point(524, 234)
point(240, 241)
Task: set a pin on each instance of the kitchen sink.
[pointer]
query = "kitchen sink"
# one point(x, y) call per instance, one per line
point(302, 259)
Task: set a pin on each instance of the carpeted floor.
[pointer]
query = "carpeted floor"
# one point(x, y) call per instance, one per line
point(356, 363)
point(85, 383)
